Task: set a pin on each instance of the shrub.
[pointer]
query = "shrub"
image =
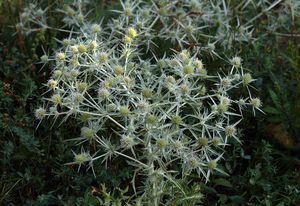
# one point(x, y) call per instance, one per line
point(166, 115)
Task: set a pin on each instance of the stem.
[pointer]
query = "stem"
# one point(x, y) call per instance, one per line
point(135, 160)
point(264, 11)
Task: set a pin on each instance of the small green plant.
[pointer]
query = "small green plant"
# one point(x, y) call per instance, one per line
point(266, 177)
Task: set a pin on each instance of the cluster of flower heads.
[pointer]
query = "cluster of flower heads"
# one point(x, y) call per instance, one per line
point(167, 115)
point(75, 14)
point(205, 24)
point(32, 19)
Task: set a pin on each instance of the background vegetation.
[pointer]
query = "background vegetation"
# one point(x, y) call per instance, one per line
point(264, 170)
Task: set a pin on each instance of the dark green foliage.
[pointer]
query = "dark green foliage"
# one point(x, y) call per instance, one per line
point(277, 66)
point(268, 178)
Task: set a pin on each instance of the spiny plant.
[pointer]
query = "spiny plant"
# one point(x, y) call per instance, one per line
point(167, 115)
point(168, 118)
point(211, 26)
